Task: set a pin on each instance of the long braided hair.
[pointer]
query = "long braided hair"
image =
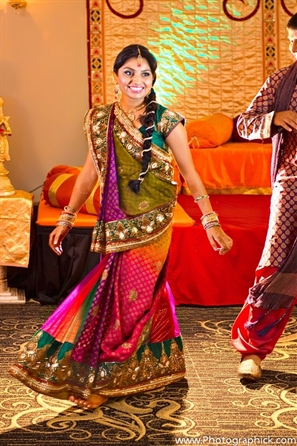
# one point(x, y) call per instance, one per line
point(148, 119)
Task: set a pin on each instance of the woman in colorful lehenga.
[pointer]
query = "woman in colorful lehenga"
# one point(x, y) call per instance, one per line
point(116, 333)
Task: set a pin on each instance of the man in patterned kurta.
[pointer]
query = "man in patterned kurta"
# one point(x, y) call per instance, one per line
point(273, 112)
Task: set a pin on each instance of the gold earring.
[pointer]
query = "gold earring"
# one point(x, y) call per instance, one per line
point(117, 92)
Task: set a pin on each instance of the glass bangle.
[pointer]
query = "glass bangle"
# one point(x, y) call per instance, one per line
point(200, 198)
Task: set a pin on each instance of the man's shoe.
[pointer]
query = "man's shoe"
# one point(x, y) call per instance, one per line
point(250, 368)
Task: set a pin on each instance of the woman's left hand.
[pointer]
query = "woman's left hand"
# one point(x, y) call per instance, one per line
point(219, 240)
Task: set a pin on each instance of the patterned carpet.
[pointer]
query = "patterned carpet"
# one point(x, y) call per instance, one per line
point(210, 406)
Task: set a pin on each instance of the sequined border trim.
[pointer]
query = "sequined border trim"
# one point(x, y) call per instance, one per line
point(96, 126)
point(122, 235)
point(143, 371)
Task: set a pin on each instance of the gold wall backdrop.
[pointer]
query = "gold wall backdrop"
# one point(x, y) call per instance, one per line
point(213, 55)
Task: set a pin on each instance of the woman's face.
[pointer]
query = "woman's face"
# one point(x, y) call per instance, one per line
point(292, 36)
point(135, 80)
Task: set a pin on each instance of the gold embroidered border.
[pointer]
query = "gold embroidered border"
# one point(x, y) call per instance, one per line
point(96, 127)
point(122, 235)
point(111, 379)
point(144, 387)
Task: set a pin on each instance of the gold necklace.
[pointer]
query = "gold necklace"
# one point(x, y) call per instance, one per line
point(131, 113)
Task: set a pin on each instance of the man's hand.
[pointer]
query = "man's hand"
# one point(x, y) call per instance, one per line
point(286, 119)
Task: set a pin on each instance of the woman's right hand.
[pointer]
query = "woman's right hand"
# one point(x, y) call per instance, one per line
point(56, 237)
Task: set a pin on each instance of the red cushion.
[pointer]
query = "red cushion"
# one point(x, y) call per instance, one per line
point(58, 187)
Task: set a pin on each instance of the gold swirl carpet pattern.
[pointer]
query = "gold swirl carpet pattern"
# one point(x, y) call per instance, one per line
point(210, 406)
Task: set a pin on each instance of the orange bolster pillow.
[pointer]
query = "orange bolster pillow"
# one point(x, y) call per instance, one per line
point(63, 168)
point(210, 131)
point(58, 187)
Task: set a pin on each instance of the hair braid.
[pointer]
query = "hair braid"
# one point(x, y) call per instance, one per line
point(148, 121)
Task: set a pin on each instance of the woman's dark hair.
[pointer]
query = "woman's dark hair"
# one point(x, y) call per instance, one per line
point(292, 23)
point(148, 119)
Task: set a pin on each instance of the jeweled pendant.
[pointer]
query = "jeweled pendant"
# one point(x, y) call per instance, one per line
point(131, 116)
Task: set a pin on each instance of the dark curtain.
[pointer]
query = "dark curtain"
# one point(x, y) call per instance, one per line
point(50, 278)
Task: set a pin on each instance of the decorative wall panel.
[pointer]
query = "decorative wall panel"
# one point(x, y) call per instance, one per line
point(213, 55)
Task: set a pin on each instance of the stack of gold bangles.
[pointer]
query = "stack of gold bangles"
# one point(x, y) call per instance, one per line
point(210, 220)
point(67, 217)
